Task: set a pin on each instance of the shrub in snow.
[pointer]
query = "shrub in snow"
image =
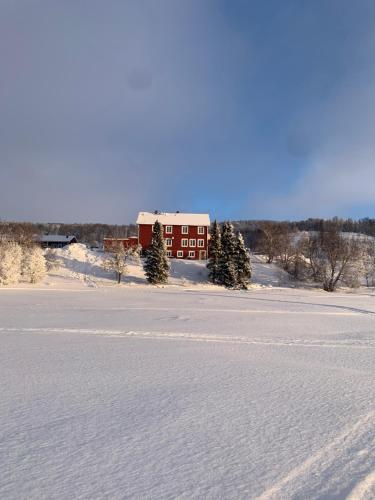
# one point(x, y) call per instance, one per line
point(299, 263)
point(52, 260)
point(134, 254)
point(34, 264)
point(156, 264)
point(10, 263)
point(368, 262)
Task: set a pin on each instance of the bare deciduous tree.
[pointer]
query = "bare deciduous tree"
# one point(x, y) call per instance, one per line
point(368, 260)
point(270, 242)
point(116, 260)
point(334, 257)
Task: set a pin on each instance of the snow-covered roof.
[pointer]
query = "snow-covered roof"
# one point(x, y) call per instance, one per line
point(56, 238)
point(174, 219)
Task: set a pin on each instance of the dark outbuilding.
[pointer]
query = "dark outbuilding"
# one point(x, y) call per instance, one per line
point(56, 240)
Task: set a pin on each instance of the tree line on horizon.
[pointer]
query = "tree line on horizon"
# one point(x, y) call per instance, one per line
point(92, 234)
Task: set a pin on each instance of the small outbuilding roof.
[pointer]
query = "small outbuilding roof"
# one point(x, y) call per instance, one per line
point(174, 219)
point(56, 238)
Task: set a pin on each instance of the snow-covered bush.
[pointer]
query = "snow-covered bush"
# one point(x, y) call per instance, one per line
point(10, 263)
point(34, 264)
point(52, 260)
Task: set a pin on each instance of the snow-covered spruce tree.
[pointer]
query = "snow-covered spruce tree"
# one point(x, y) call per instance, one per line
point(116, 261)
point(33, 264)
point(213, 264)
point(243, 265)
point(227, 261)
point(156, 265)
point(10, 263)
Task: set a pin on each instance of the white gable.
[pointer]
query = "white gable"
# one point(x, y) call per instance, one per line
point(174, 219)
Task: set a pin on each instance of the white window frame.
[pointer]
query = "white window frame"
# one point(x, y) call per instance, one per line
point(191, 254)
point(180, 254)
point(185, 242)
point(168, 229)
point(169, 253)
point(200, 229)
point(184, 229)
point(193, 243)
point(167, 240)
point(200, 243)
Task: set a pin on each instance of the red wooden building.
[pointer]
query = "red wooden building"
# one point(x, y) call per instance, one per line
point(186, 235)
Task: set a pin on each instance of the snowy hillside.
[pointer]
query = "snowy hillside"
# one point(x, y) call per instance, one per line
point(82, 265)
point(85, 265)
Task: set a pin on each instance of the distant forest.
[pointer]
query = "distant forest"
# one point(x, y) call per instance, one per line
point(92, 234)
point(252, 229)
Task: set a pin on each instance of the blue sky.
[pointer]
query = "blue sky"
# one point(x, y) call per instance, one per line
point(245, 109)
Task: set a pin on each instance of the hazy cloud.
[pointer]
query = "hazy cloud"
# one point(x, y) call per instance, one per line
point(339, 140)
point(240, 108)
point(95, 94)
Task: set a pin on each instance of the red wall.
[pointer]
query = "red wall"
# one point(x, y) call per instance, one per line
point(145, 236)
point(111, 243)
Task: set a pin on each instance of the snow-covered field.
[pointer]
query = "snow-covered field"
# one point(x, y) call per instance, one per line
point(187, 391)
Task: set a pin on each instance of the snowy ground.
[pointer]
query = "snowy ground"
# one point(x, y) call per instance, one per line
point(186, 392)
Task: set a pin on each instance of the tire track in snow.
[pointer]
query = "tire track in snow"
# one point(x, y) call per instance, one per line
point(235, 311)
point(332, 471)
point(184, 336)
point(365, 489)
